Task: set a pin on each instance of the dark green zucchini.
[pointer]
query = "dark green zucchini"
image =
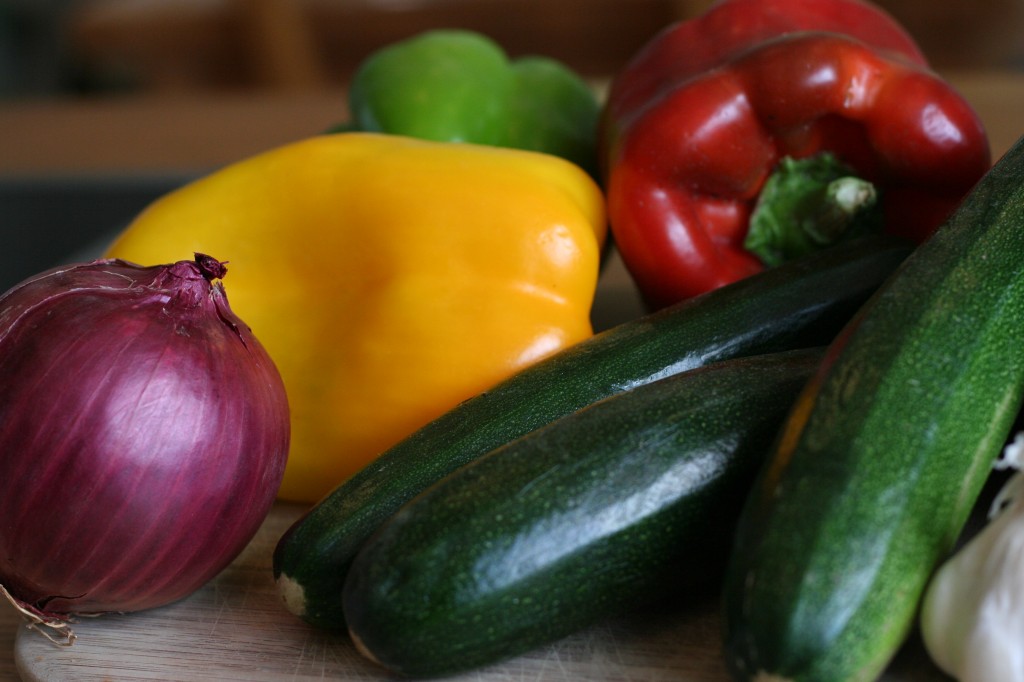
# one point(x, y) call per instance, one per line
point(885, 453)
point(628, 500)
point(803, 303)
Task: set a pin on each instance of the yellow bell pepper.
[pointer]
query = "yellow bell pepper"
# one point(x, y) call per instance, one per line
point(389, 278)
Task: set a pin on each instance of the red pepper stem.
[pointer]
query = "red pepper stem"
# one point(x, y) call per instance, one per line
point(809, 204)
point(850, 195)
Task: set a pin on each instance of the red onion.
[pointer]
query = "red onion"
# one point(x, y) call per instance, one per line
point(143, 435)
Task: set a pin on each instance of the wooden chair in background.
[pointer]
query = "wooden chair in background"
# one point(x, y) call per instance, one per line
point(174, 45)
point(169, 45)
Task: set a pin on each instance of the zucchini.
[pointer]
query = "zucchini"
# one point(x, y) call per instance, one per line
point(883, 456)
point(629, 500)
point(801, 304)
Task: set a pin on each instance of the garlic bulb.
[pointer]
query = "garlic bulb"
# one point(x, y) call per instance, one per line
point(972, 618)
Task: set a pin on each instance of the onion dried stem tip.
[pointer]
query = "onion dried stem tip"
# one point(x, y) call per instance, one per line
point(210, 267)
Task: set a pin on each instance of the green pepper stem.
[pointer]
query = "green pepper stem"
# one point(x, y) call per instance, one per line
point(808, 204)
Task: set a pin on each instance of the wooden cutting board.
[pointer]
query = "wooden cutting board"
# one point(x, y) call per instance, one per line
point(236, 628)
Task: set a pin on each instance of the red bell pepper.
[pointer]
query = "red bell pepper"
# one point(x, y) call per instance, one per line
point(696, 124)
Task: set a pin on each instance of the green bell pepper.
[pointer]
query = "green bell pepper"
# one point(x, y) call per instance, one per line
point(459, 86)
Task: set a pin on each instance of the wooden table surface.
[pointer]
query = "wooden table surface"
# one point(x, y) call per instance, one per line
point(153, 135)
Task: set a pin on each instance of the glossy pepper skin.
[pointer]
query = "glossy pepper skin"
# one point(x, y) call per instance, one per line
point(454, 85)
point(696, 123)
point(389, 278)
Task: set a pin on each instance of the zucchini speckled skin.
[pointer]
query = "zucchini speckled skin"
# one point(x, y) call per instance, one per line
point(630, 499)
point(885, 453)
point(800, 304)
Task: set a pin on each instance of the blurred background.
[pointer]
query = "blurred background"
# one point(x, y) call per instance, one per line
point(97, 47)
point(107, 104)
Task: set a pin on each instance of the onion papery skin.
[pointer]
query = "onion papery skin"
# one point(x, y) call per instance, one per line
point(143, 436)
